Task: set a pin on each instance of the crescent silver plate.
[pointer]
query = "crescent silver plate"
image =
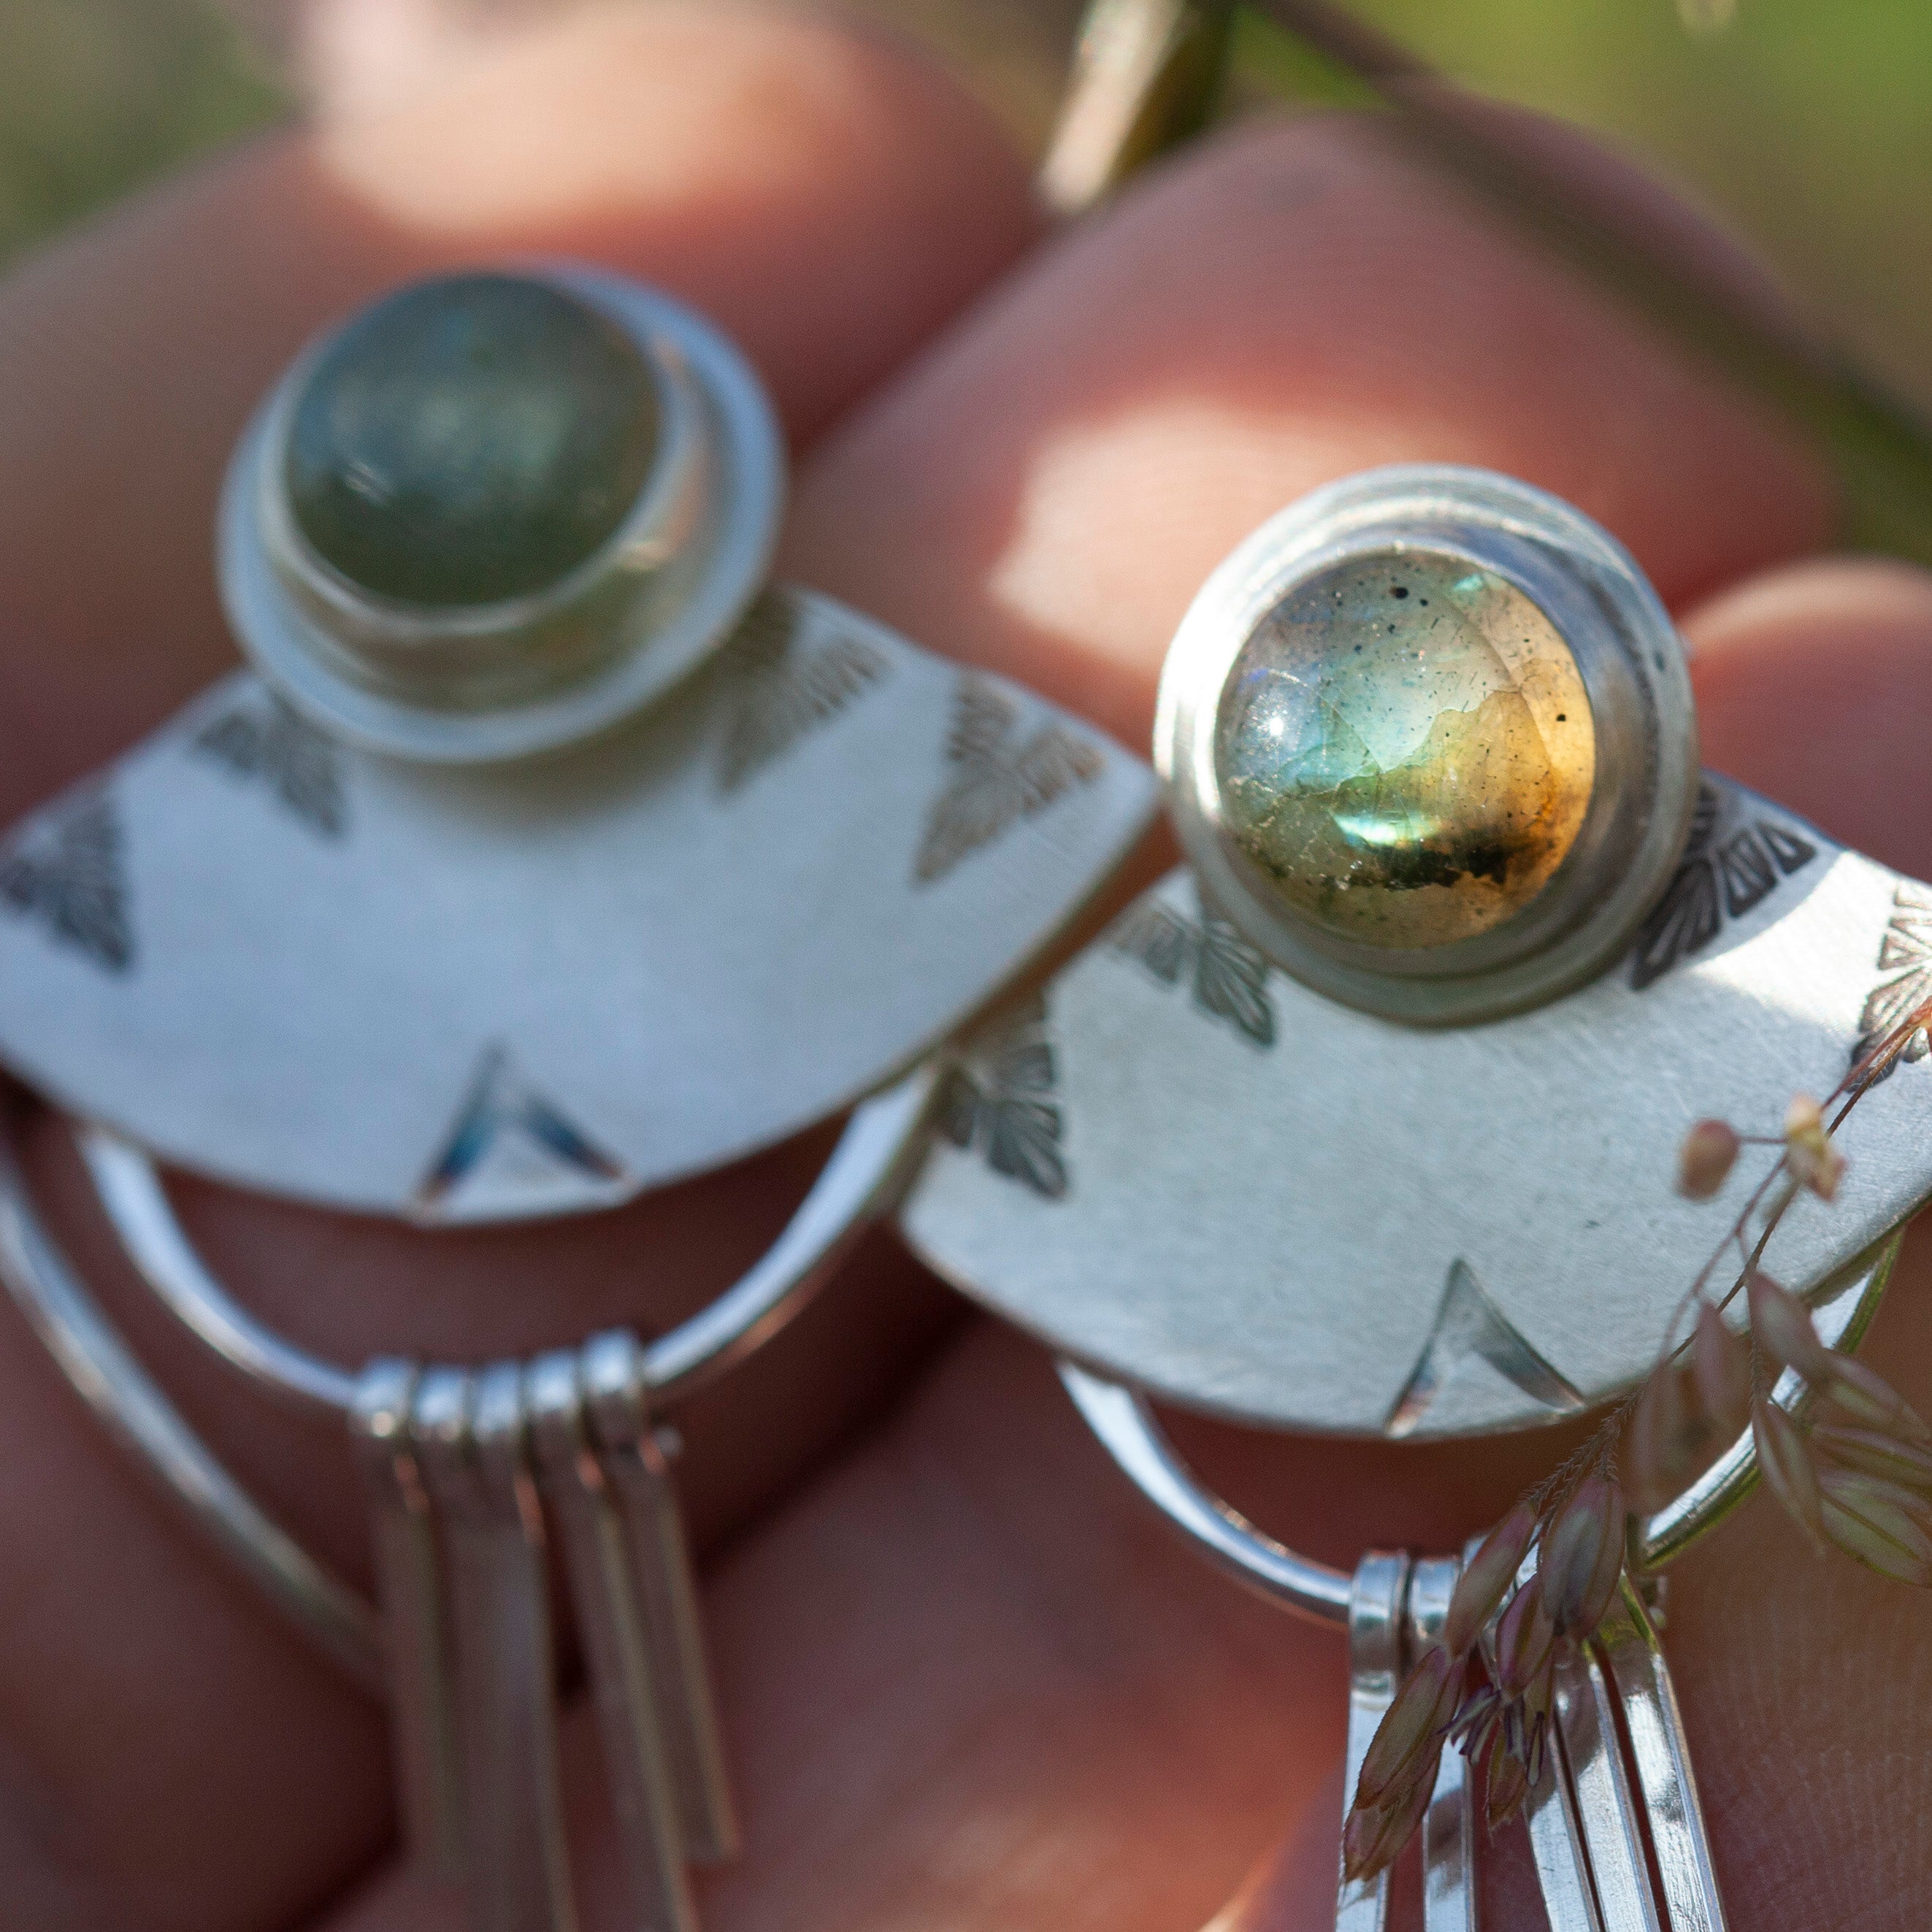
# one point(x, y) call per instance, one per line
point(462, 995)
point(1191, 1172)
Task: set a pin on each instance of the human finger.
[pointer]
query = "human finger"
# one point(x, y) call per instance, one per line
point(174, 1755)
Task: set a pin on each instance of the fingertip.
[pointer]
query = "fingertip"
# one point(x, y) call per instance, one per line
point(1809, 681)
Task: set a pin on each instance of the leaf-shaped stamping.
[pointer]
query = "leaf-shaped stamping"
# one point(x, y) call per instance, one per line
point(1001, 1101)
point(1907, 943)
point(776, 687)
point(73, 880)
point(1231, 980)
point(1024, 1142)
point(1790, 849)
point(994, 782)
point(1156, 937)
point(266, 738)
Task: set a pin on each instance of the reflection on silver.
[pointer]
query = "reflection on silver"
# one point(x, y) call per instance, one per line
point(1375, 1665)
point(1449, 1828)
point(415, 1615)
point(468, 1433)
point(452, 1469)
point(1470, 1325)
point(626, 1694)
point(1601, 1801)
point(465, 683)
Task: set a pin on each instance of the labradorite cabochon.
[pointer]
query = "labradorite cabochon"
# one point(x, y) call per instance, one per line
point(1405, 750)
point(470, 439)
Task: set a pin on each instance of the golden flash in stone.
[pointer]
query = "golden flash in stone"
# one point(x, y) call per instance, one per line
point(1405, 750)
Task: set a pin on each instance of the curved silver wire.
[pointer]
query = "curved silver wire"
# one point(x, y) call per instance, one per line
point(1128, 1430)
point(1125, 1423)
point(135, 1413)
point(872, 1161)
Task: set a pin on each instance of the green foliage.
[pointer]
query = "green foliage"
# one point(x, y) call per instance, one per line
point(96, 96)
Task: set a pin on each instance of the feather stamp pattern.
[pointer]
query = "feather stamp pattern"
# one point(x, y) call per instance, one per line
point(777, 687)
point(997, 778)
point(274, 744)
point(1228, 974)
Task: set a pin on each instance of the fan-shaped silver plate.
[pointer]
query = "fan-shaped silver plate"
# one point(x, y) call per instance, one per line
point(1191, 1172)
point(474, 995)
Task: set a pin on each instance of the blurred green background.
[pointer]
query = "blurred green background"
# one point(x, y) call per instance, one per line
point(1805, 123)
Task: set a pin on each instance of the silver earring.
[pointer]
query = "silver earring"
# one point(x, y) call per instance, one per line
point(549, 852)
point(1362, 1121)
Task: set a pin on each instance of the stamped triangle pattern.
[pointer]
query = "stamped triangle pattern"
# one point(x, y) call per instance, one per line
point(68, 872)
point(997, 775)
point(264, 740)
point(512, 1151)
point(1469, 1328)
point(777, 686)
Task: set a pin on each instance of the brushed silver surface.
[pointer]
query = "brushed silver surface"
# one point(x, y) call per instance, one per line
point(465, 995)
point(1266, 1204)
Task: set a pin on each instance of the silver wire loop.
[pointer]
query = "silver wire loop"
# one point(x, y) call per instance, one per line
point(137, 1416)
point(871, 1161)
point(859, 1183)
point(1124, 1421)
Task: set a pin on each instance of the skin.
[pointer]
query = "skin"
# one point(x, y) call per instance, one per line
point(968, 1680)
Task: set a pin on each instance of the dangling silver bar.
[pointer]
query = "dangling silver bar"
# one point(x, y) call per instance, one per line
point(409, 1587)
point(1627, 1639)
point(1556, 1845)
point(623, 1691)
point(1375, 1669)
point(1605, 1804)
point(1448, 1827)
point(616, 1404)
point(469, 1432)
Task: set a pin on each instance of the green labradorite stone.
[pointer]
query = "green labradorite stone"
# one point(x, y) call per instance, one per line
point(470, 439)
point(1405, 750)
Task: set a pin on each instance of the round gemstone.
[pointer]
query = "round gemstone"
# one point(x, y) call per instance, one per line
point(470, 439)
point(1405, 750)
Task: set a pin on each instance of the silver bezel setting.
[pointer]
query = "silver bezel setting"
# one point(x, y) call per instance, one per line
point(487, 682)
point(1632, 667)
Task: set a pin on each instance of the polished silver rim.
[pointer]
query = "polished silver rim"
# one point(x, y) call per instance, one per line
point(1633, 668)
point(454, 687)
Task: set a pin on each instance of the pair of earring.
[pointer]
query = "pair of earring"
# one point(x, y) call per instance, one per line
point(549, 852)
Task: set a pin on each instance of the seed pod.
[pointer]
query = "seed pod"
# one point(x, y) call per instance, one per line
point(1491, 1571)
point(1372, 1839)
point(1865, 1396)
point(1419, 1714)
point(1814, 1162)
point(1523, 1638)
point(1477, 1715)
point(1581, 1557)
point(1535, 1748)
point(1720, 1366)
point(1878, 1452)
point(1786, 1465)
point(1883, 1526)
point(1667, 1442)
point(1505, 1787)
point(1704, 1161)
point(1783, 1326)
